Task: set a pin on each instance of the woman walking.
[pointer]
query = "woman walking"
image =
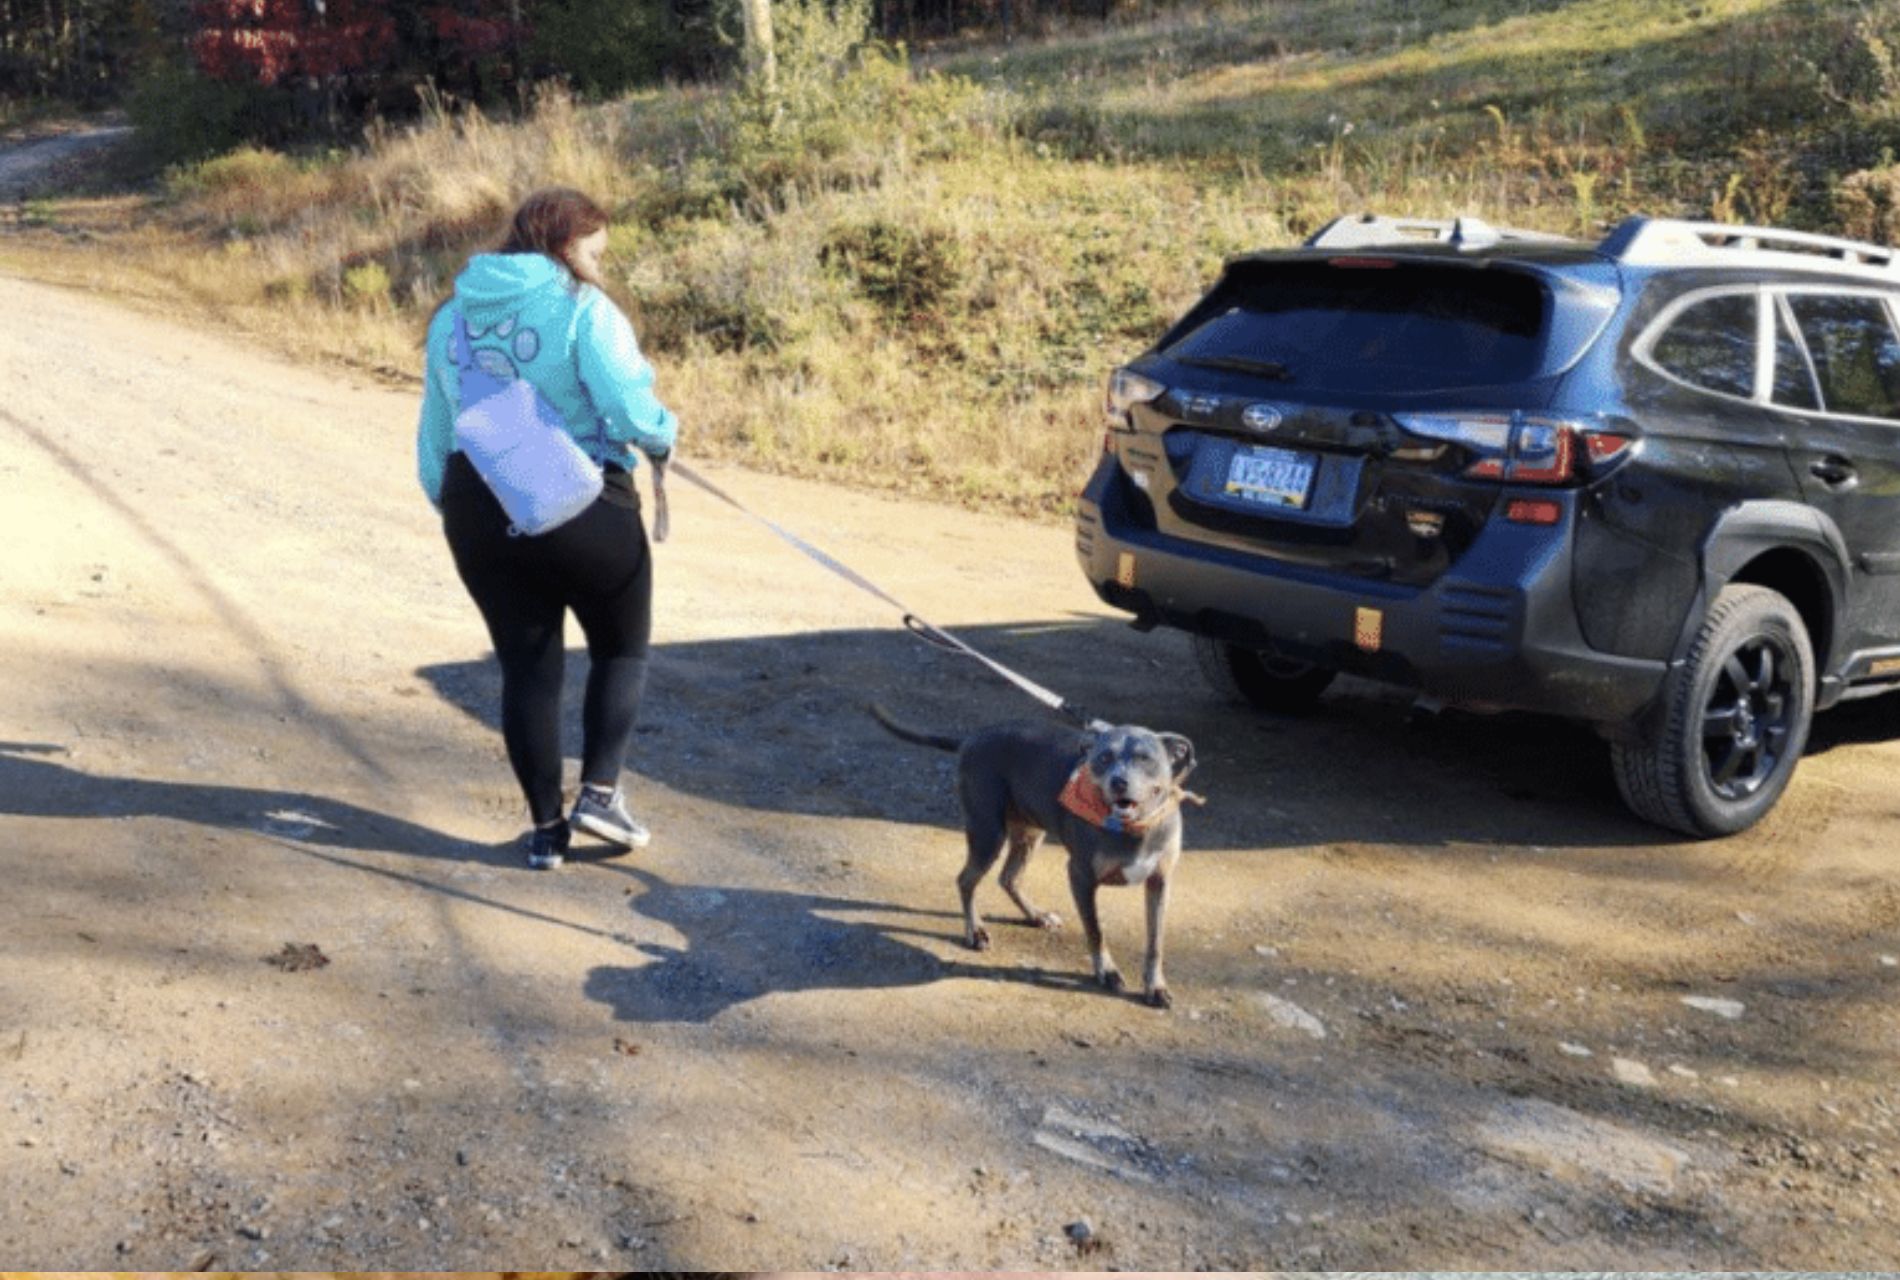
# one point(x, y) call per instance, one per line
point(535, 309)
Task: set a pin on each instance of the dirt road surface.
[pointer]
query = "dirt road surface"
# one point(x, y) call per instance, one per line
point(29, 164)
point(1441, 1003)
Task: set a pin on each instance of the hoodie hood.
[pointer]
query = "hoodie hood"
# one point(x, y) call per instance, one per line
point(493, 283)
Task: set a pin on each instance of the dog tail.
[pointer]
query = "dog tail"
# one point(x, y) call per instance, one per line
point(941, 742)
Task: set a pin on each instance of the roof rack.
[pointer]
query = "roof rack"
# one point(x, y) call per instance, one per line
point(1366, 229)
point(1673, 242)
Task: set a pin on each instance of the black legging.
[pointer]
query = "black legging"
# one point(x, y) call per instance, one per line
point(596, 564)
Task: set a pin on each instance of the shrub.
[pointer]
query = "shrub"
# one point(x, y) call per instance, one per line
point(367, 284)
point(1868, 204)
point(1859, 64)
point(731, 287)
point(845, 110)
point(182, 116)
point(605, 46)
point(910, 271)
point(246, 169)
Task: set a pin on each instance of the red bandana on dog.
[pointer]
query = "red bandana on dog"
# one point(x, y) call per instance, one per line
point(1085, 800)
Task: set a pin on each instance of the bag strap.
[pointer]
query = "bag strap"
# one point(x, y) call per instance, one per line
point(464, 352)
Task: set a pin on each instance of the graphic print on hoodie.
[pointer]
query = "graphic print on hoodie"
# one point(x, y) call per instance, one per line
point(518, 341)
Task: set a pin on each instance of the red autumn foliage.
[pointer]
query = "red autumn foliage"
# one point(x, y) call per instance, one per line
point(267, 42)
point(472, 37)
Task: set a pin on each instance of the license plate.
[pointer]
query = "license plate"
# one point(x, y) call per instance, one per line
point(1271, 477)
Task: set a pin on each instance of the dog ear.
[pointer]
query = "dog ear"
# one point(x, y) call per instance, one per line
point(1180, 754)
point(1086, 741)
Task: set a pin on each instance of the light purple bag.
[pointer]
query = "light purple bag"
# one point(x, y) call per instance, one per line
point(520, 446)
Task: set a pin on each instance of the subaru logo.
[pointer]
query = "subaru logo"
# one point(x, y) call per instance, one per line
point(1261, 417)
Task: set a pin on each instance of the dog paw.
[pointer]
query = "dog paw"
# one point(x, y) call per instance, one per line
point(1159, 998)
point(977, 939)
point(1047, 920)
point(1112, 979)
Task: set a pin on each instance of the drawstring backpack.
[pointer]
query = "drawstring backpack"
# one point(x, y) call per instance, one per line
point(520, 446)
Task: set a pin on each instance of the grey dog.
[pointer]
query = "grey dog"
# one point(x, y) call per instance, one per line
point(1021, 781)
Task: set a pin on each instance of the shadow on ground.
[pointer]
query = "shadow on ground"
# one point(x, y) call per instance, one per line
point(778, 724)
point(744, 943)
point(36, 783)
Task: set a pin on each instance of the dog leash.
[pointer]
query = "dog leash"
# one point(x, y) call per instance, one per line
point(932, 635)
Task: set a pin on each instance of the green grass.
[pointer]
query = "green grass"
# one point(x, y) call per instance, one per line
point(916, 277)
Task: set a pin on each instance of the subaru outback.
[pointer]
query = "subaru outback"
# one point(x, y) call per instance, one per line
point(1651, 483)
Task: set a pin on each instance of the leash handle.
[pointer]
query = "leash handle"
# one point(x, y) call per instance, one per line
point(662, 519)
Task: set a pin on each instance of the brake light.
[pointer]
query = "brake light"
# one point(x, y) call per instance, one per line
point(1525, 448)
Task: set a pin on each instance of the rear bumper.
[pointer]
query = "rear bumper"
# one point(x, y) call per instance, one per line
point(1498, 631)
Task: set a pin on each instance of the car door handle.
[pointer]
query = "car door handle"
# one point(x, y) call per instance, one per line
point(1834, 472)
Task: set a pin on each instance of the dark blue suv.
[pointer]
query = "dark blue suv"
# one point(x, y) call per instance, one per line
point(1651, 483)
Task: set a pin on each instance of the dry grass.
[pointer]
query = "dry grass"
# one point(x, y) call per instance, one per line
point(918, 280)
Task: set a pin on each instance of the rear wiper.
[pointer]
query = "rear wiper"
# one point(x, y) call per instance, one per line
point(1241, 364)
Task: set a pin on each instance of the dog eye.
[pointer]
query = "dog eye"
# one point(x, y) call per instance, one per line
point(1104, 759)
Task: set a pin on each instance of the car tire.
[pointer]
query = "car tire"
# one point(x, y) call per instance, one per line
point(1265, 681)
point(1732, 722)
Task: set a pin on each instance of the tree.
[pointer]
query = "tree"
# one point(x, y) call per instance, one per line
point(761, 62)
point(268, 42)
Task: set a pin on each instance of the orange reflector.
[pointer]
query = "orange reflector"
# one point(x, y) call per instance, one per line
point(1534, 511)
point(1368, 629)
point(1125, 570)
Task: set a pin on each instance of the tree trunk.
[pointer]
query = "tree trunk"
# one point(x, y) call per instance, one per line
point(517, 53)
point(761, 63)
point(49, 49)
point(67, 83)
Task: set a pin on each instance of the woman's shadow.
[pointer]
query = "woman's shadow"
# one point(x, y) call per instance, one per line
point(740, 943)
point(743, 944)
point(35, 783)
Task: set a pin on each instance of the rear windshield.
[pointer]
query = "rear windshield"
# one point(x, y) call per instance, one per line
point(1397, 327)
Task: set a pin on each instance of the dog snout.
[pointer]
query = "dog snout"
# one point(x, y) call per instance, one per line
point(1118, 785)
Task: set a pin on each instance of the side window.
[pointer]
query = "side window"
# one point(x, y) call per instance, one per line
point(1712, 345)
point(1856, 355)
point(1794, 380)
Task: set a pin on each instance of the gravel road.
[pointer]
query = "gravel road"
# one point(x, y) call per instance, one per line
point(275, 991)
point(28, 164)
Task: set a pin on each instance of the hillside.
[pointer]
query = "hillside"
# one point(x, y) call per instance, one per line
point(913, 270)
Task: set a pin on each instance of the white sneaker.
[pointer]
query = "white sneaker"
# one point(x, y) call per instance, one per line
point(605, 815)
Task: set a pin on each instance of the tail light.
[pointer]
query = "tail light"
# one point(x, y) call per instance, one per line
point(1125, 391)
point(1524, 448)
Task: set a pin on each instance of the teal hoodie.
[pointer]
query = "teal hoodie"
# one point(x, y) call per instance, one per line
point(529, 318)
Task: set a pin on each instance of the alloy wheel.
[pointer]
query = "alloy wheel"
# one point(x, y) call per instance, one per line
point(1748, 718)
